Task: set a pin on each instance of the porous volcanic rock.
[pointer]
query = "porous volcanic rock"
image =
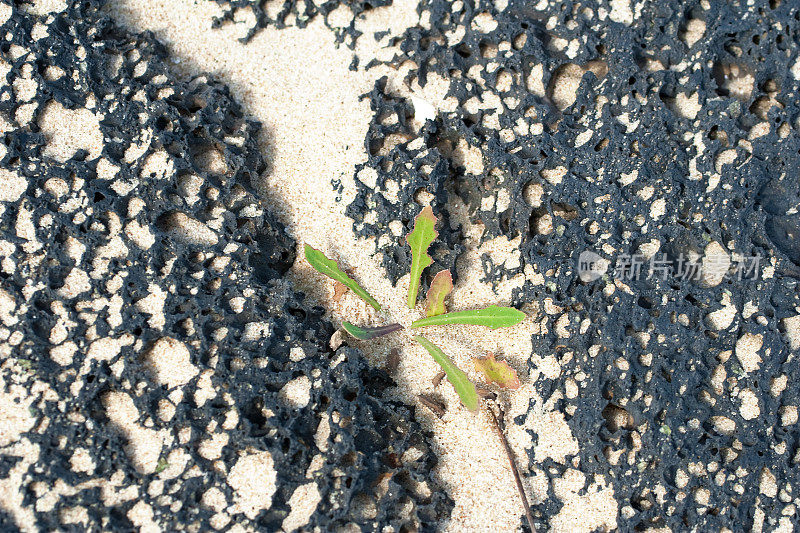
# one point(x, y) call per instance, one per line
point(155, 367)
point(263, 13)
point(667, 130)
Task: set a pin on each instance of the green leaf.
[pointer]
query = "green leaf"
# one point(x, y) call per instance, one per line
point(420, 239)
point(460, 381)
point(366, 334)
point(329, 267)
point(441, 286)
point(493, 316)
point(499, 372)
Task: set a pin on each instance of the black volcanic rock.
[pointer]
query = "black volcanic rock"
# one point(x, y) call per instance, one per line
point(669, 129)
point(297, 13)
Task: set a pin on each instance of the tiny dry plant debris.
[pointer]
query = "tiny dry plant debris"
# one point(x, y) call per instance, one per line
point(472, 396)
point(392, 361)
point(338, 290)
point(514, 470)
point(433, 403)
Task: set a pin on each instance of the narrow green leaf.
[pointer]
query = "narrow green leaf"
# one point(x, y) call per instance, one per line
point(499, 372)
point(329, 267)
point(420, 239)
point(460, 381)
point(493, 316)
point(366, 334)
point(441, 286)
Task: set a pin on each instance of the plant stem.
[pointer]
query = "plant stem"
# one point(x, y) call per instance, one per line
point(514, 470)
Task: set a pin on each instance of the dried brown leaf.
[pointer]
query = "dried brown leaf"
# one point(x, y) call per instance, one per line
point(339, 288)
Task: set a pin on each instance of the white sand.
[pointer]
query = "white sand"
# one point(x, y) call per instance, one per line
point(298, 84)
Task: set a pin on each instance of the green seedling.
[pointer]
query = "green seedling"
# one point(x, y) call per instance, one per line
point(441, 286)
point(419, 240)
point(326, 266)
point(497, 372)
point(492, 317)
point(366, 334)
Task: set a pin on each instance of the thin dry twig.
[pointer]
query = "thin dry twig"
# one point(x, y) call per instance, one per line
point(513, 463)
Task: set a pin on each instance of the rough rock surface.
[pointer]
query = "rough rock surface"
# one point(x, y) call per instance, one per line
point(155, 368)
point(663, 129)
point(263, 13)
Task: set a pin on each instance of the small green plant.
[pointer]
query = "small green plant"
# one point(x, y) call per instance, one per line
point(162, 465)
point(497, 372)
